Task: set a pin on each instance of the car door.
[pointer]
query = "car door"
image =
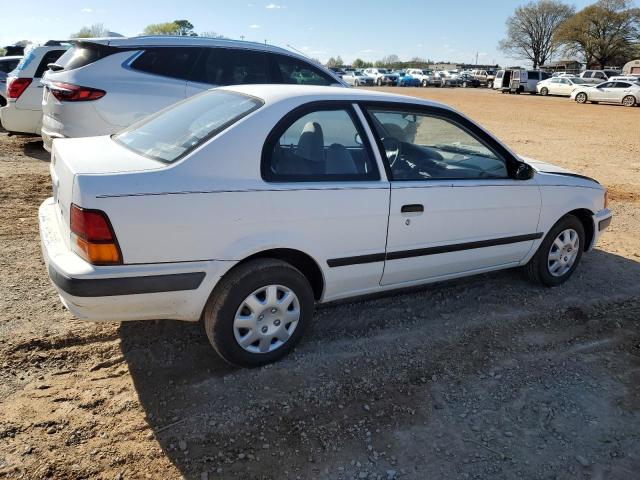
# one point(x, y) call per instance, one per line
point(326, 192)
point(564, 87)
point(455, 207)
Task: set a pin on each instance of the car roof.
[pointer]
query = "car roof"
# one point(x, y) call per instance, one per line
point(11, 57)
point(310, 93)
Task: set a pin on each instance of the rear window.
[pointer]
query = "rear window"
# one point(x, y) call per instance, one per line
point(8, 65)
point(298, 72)
point(175, 62)
point(172, 133)
point(82, 55)
point(50, 57)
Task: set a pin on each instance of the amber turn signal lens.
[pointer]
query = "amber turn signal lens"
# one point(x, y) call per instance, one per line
point(97, 253)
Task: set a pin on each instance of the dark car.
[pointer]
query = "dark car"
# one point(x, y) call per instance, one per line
point(467, 81)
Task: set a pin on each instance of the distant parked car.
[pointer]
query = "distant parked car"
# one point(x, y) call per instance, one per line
point(244, 206)
point(382, 76)
point(339, 72)
point(425, 77)
point(406, 79)
point(102, 86)
point(625, 93)
point(23, 112)
point(526, 81)
point(444, 79)
point(626, 78)
point(467, 80)
point(7, 64)
point(595, 77)
point(357, 79)
point(562, 86)
point(486, 77)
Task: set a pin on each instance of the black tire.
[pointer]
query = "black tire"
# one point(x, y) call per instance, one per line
point(490, 85)
point(581, 98)
point(544, 91)
point(464, 85)
point(379, 82)
point(537, 270)
point(220, 310)
point(424, 83)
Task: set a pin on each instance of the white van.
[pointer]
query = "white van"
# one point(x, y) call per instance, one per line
point(527, 80)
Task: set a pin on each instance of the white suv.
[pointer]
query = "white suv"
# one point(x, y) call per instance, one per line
point(23, 111)
point(102, 86)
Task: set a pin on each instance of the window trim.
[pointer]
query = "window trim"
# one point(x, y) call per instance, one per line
point(141, 51)
point(293, 116)
point(511, 162)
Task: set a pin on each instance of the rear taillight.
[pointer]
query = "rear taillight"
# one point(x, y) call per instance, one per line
point(66, 92)
point(17, 86)
point(92, 237)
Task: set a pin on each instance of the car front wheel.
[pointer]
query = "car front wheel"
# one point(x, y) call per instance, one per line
point(581, 97)
point(629, 101)
point(544, 91)
point(258, 312)
point(558, 254)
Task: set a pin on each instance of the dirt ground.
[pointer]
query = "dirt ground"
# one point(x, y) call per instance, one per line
point(487, 377)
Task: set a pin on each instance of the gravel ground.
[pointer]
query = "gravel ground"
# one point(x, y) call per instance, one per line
point(487, 377)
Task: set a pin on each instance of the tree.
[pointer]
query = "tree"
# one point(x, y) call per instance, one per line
point(211, 34)
point(335, 62)
point(22, 43)
point(167, 28)
point(531, 30)
point(185, 28)
point(605, 33)
point(96, 30)
point(359, 63)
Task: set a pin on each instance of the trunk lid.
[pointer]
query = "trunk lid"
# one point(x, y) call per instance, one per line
point(88, 156)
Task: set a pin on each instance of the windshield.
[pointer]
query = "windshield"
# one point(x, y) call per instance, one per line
point(174, 132)
point(382, 70)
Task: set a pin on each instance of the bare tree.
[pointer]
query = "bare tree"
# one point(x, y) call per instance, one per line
point(531, 30)
point(96, 30)
point(605, 33)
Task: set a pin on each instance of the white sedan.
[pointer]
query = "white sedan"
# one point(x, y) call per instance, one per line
point(625, 93)
point(562, 86)
point(357, 79)
point(243, 206)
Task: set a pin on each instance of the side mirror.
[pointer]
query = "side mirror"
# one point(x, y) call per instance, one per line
point(524, 172)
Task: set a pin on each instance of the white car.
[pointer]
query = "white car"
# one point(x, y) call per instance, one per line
point(244, 205)
point(425, 76)
point(7, 65)
point(382, 76)
point(562, 86)
point(23, 112)
point(357, 79)
point(625, 93)
point(102, 86)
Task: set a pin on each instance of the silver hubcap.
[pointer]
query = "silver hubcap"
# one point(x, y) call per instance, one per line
point(266, 319)
point(628, 101)
point(563, 252)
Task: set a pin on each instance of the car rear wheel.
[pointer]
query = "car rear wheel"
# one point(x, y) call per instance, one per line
point(558, 254)
point(581, 97)
point(629, 101)
point(544, 91)
point(258, 312)
point(356, 83)
point(424, 83)
point(379, 82)
point(489, 84)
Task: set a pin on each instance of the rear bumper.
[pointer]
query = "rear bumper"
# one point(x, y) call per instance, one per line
point(20, 121)
point(124, 292)
point(47, 138)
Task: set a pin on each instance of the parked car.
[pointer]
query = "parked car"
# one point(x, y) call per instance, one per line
point(339, 72)
point(425, 77)
point(526, 81)
point(220, 207)
point(23, 112)
point(443, 79)
point(625, 93)
point(486, 77)
point(382, 76)
point(595, 77)
point(102, 86)
point(559, 86)
point(357, 79)
point(467, 80)
point(7, 64)
point(406, 79)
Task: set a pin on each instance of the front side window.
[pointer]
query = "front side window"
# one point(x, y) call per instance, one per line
point(175, 62)
point(599, 75)
point(221, 66)
point(294, 71)
point(428, 147)
point(322, 145)
point(172, 133)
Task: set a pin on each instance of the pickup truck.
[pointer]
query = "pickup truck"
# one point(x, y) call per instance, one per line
point(486, 77)
point(594, 77)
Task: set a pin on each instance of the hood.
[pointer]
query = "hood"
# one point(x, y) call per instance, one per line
point(555, 170)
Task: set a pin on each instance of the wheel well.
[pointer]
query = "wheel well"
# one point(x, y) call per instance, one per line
point(299, 260)
point(586, 218)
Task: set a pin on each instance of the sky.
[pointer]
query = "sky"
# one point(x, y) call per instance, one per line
point(438, 30)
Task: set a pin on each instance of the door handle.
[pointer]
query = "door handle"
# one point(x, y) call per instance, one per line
point(412, 208)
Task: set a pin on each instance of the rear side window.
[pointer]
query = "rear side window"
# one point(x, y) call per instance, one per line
point(83, 54)
point(172, 133)
point(50, 57)
point(294, 71)
point(534, 76)
point(8, 66)
point(175, 62)
point(221, 66)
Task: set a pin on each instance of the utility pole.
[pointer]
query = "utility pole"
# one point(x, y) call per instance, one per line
point(241, 37)
point(476, 59)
